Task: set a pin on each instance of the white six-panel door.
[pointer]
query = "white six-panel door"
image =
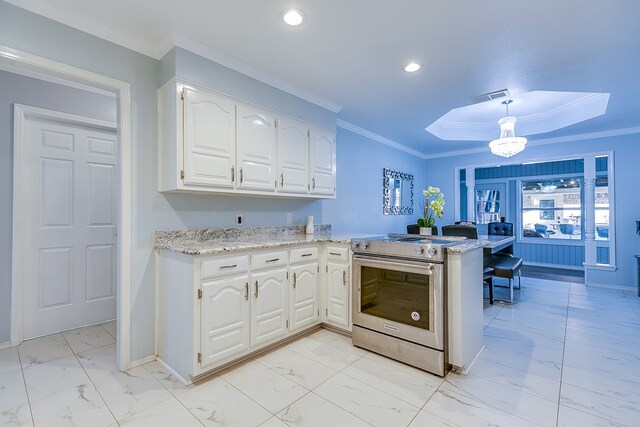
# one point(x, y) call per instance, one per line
point(68, 195)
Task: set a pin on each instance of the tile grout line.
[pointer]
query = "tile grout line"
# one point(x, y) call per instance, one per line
point(24, 381)
point(91, 380)
point(564, 348)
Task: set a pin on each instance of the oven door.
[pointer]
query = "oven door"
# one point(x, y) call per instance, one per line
point(404, 299)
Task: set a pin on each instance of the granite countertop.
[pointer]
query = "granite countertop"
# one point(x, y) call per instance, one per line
point(213, 241)
point(465, 246)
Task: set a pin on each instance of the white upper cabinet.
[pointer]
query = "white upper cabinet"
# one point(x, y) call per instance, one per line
point(209, 139)
point(293, 156)
point(257, 149)
point(323, 162)
point(213, 143)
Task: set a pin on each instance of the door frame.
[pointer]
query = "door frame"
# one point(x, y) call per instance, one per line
point(21, 113)
point(30, 65)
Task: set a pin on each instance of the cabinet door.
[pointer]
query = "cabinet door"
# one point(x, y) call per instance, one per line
point(338, 294)
point(257, 149)
point(209, 139)
point(269, 305)
point(293, 156)
point(323, 162)
point(225, 315)
point(304, 296)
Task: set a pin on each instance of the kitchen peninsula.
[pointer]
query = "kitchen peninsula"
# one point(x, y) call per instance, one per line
point(226, 294)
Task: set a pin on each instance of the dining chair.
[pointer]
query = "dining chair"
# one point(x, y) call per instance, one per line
point(468, 231)
point(504, 264)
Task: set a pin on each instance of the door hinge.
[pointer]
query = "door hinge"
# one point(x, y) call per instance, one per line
point(182, 174)
point(308, 133)
point(318, 312)
point(327, 268)
point(199, 357)
point(287, 324)
point(182, 93)
point(275, 184)
point(326, 311)
point(318, 269)
point(199, 293)
point(287, 275)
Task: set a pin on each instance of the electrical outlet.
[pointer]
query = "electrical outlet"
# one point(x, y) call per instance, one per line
point(239, 220)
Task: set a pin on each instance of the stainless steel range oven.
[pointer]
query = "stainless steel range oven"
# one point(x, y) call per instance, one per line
point(399, 299)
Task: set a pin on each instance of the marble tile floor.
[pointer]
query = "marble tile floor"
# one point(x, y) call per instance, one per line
point(562, 355)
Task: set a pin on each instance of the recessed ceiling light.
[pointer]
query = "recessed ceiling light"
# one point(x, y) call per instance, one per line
point(293, 17)
point(412, 66)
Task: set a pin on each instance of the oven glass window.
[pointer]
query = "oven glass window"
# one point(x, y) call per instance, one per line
point(396, 296)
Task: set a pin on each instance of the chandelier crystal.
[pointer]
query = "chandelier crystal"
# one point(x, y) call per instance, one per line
point(508, 144)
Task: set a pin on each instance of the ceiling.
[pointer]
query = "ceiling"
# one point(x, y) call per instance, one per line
point(349, 53)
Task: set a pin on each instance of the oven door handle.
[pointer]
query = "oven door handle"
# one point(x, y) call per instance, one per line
point(429, 268)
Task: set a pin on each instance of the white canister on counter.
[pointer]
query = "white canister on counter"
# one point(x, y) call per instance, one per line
point(309, 229)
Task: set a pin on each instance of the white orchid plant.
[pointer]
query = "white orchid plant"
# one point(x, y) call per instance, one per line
point(433, 208)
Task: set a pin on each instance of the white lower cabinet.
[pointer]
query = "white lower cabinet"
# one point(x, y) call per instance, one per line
point(338, 286)
point(304, 302)
point(213, 310)
point(269, 306)
point(225, 314)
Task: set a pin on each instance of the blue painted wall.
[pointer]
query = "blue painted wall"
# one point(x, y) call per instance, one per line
point(358, 205)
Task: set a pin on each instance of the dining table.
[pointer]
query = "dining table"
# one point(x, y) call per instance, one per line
point(495, 243)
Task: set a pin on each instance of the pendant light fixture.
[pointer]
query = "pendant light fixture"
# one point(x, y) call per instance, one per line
point(508, 144)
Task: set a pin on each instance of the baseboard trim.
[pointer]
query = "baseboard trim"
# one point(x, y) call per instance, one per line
point(608, 286)
point(465, 370)
point(5, 345)
point(174, 373)
point(559, 266)
point(143, 361)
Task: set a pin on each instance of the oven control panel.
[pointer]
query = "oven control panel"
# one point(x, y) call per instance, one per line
point(407, 249)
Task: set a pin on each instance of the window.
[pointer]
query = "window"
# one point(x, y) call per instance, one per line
point(552, 209)
point(602, 208)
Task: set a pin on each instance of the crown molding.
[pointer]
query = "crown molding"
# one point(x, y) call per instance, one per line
point(158, 50)
point(377, 138)
point(546, 141)
point(244, 68)
point(84, 25)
